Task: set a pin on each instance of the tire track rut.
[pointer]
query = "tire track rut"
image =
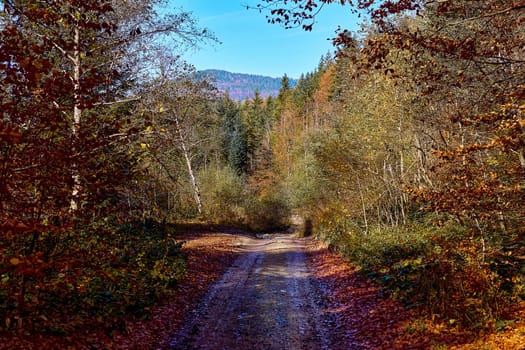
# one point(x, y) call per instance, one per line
point(266, 300)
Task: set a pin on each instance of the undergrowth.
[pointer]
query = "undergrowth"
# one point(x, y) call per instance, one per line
point(445, 270)
point(228, 202)
point(89, 277)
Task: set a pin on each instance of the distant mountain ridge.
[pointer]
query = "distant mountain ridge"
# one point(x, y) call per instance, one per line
point(241, 86)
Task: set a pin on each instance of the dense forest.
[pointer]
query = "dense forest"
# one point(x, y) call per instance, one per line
point(240, 86)
point(405, 151)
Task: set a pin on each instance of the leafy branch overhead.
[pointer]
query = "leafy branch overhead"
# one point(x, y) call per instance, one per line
point(404, 152)
point(72, 72)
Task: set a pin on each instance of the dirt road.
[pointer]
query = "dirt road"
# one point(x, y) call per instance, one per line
point(266, 300)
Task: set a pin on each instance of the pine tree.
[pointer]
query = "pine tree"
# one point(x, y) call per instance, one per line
point(233, 135)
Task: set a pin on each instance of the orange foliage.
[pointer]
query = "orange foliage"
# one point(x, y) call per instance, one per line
point(368, 319)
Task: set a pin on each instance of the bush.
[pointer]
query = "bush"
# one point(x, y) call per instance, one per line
point(305, 186)
point(439, 270)
point(226, 200)
point(267, 213)
point(94, 276)
point(223, 196)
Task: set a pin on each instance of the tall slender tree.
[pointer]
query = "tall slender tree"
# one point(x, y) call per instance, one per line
point(233, 135)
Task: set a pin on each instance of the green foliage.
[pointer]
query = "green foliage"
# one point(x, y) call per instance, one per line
point(379, 247)
point(101, 275)
point(227, 201)
point(223, 195)
point(233, 136)
point(305, 184)
point(267, 212)
point(253, 117)
point(433, 268)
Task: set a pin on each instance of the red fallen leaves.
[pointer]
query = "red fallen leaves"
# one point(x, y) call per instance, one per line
point(208, 256)
point(367, 319)
point(9, 133)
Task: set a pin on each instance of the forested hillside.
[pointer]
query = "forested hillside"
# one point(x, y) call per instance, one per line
point(241, 86)
point(404, 152)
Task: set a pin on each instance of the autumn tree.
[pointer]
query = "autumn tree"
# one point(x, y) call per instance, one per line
point(181, 131)
point(81, 49)
point(481, 156)
point(67, 85)
point(448, 73)
point(459, 71)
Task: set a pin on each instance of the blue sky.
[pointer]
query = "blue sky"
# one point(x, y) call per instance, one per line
point(250, 45)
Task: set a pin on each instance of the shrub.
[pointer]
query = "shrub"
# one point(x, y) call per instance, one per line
point(437, 269)
point(223, 196)
point(96, 275)
point(267, 213)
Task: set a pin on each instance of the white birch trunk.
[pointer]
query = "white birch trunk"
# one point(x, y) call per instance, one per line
point(193, 179)
point(77, 116)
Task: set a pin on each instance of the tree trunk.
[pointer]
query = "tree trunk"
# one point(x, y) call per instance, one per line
point(77, 116)
point(363, 207)
point(193, 180)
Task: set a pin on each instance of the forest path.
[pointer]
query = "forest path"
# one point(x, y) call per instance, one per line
point(287, 293)
point(266, 300)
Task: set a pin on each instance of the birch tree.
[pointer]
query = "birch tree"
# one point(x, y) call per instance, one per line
point(183, 130)
point(69, 76)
